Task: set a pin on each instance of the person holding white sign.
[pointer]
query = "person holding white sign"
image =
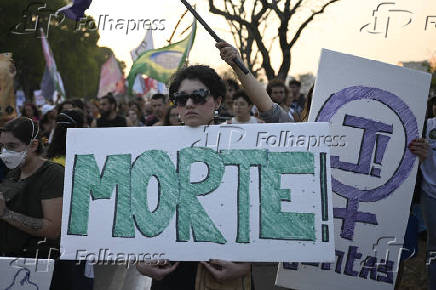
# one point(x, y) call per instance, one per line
point(197, 92)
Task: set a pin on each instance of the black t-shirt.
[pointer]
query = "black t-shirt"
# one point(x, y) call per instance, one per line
point(182, 278)
point(151, 120)
point(118, 121)
point(24, 196)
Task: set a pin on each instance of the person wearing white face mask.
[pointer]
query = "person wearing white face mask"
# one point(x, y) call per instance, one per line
point(12, 159)
point(30, 194)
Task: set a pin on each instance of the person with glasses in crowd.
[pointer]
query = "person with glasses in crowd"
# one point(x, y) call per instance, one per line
point(197, 92)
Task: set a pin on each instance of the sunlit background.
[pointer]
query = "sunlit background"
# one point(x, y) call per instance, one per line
point(346, 26)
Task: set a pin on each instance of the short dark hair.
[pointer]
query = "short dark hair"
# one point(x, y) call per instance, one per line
point(61, 105)
point(34, 109)
point(294, 82)
point(25, 130)
point(204, 74)
point(110, 98)
point(274, 83)
point(159, 97)
point(232, 83)
point(78, 103)
point(241, 94)
point(67, 119)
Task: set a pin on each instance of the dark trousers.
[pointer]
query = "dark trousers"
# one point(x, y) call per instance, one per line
point(68, 275)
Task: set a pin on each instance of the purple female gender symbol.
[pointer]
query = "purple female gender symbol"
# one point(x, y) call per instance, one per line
point(351, 215)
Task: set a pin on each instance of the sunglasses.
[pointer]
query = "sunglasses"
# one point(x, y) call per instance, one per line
point(198, 97)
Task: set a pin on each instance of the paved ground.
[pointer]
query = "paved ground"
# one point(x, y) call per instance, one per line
point(415, 275)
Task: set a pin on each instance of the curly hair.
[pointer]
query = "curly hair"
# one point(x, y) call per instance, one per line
point(276, 83)
point(204, 74)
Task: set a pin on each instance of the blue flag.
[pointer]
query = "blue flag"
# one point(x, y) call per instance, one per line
point(75, 10)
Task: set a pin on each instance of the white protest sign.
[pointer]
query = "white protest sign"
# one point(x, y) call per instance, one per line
point(234, 192)
point(24, 273)
point(380, 109)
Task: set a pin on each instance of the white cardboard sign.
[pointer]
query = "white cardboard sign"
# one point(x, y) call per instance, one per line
point(380, 108)
point(234, 192)
point(24, 273)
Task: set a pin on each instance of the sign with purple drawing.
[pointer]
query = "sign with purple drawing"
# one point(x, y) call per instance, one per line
point(380, 109)
point(189, 194)
point(24, 273)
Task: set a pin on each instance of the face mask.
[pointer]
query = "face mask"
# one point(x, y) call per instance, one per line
point(12, 159)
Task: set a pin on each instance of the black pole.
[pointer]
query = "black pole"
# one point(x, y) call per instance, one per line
point(213, 34)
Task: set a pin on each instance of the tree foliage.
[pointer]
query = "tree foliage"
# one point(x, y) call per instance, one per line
point(250, 20)
point(77, 55)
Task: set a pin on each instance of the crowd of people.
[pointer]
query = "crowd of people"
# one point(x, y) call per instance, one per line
point(33, 156)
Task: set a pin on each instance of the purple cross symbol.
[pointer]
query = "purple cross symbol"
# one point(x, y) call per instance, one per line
point(350, 216)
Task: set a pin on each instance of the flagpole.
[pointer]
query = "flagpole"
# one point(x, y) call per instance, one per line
point(177, 25)
point(213, 34)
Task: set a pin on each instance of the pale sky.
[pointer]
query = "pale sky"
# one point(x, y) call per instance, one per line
point(337, 29)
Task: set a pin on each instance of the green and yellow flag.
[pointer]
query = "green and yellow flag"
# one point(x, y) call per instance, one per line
point(161, 63)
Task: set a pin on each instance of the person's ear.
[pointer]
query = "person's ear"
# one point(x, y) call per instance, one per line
point(218, 102)
point(34, 145)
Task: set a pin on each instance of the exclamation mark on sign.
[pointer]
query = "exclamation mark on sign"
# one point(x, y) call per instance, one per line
point(324, 204)
point(380, 148)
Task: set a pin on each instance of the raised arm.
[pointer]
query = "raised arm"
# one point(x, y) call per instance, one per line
point(254, 89)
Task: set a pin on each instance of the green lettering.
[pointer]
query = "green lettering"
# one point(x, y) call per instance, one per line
point(154, 163)
point(87, 183)
point(244, 159)
point(275, 224)
point(190, 213)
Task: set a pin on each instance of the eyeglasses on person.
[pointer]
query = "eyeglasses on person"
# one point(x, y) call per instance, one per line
point(198, 97)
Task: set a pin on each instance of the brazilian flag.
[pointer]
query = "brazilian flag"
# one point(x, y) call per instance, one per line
point(161, 63)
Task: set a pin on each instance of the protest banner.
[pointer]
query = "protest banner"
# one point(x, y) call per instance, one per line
point(380, 108)
point(234, 192)
point(24, 273)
